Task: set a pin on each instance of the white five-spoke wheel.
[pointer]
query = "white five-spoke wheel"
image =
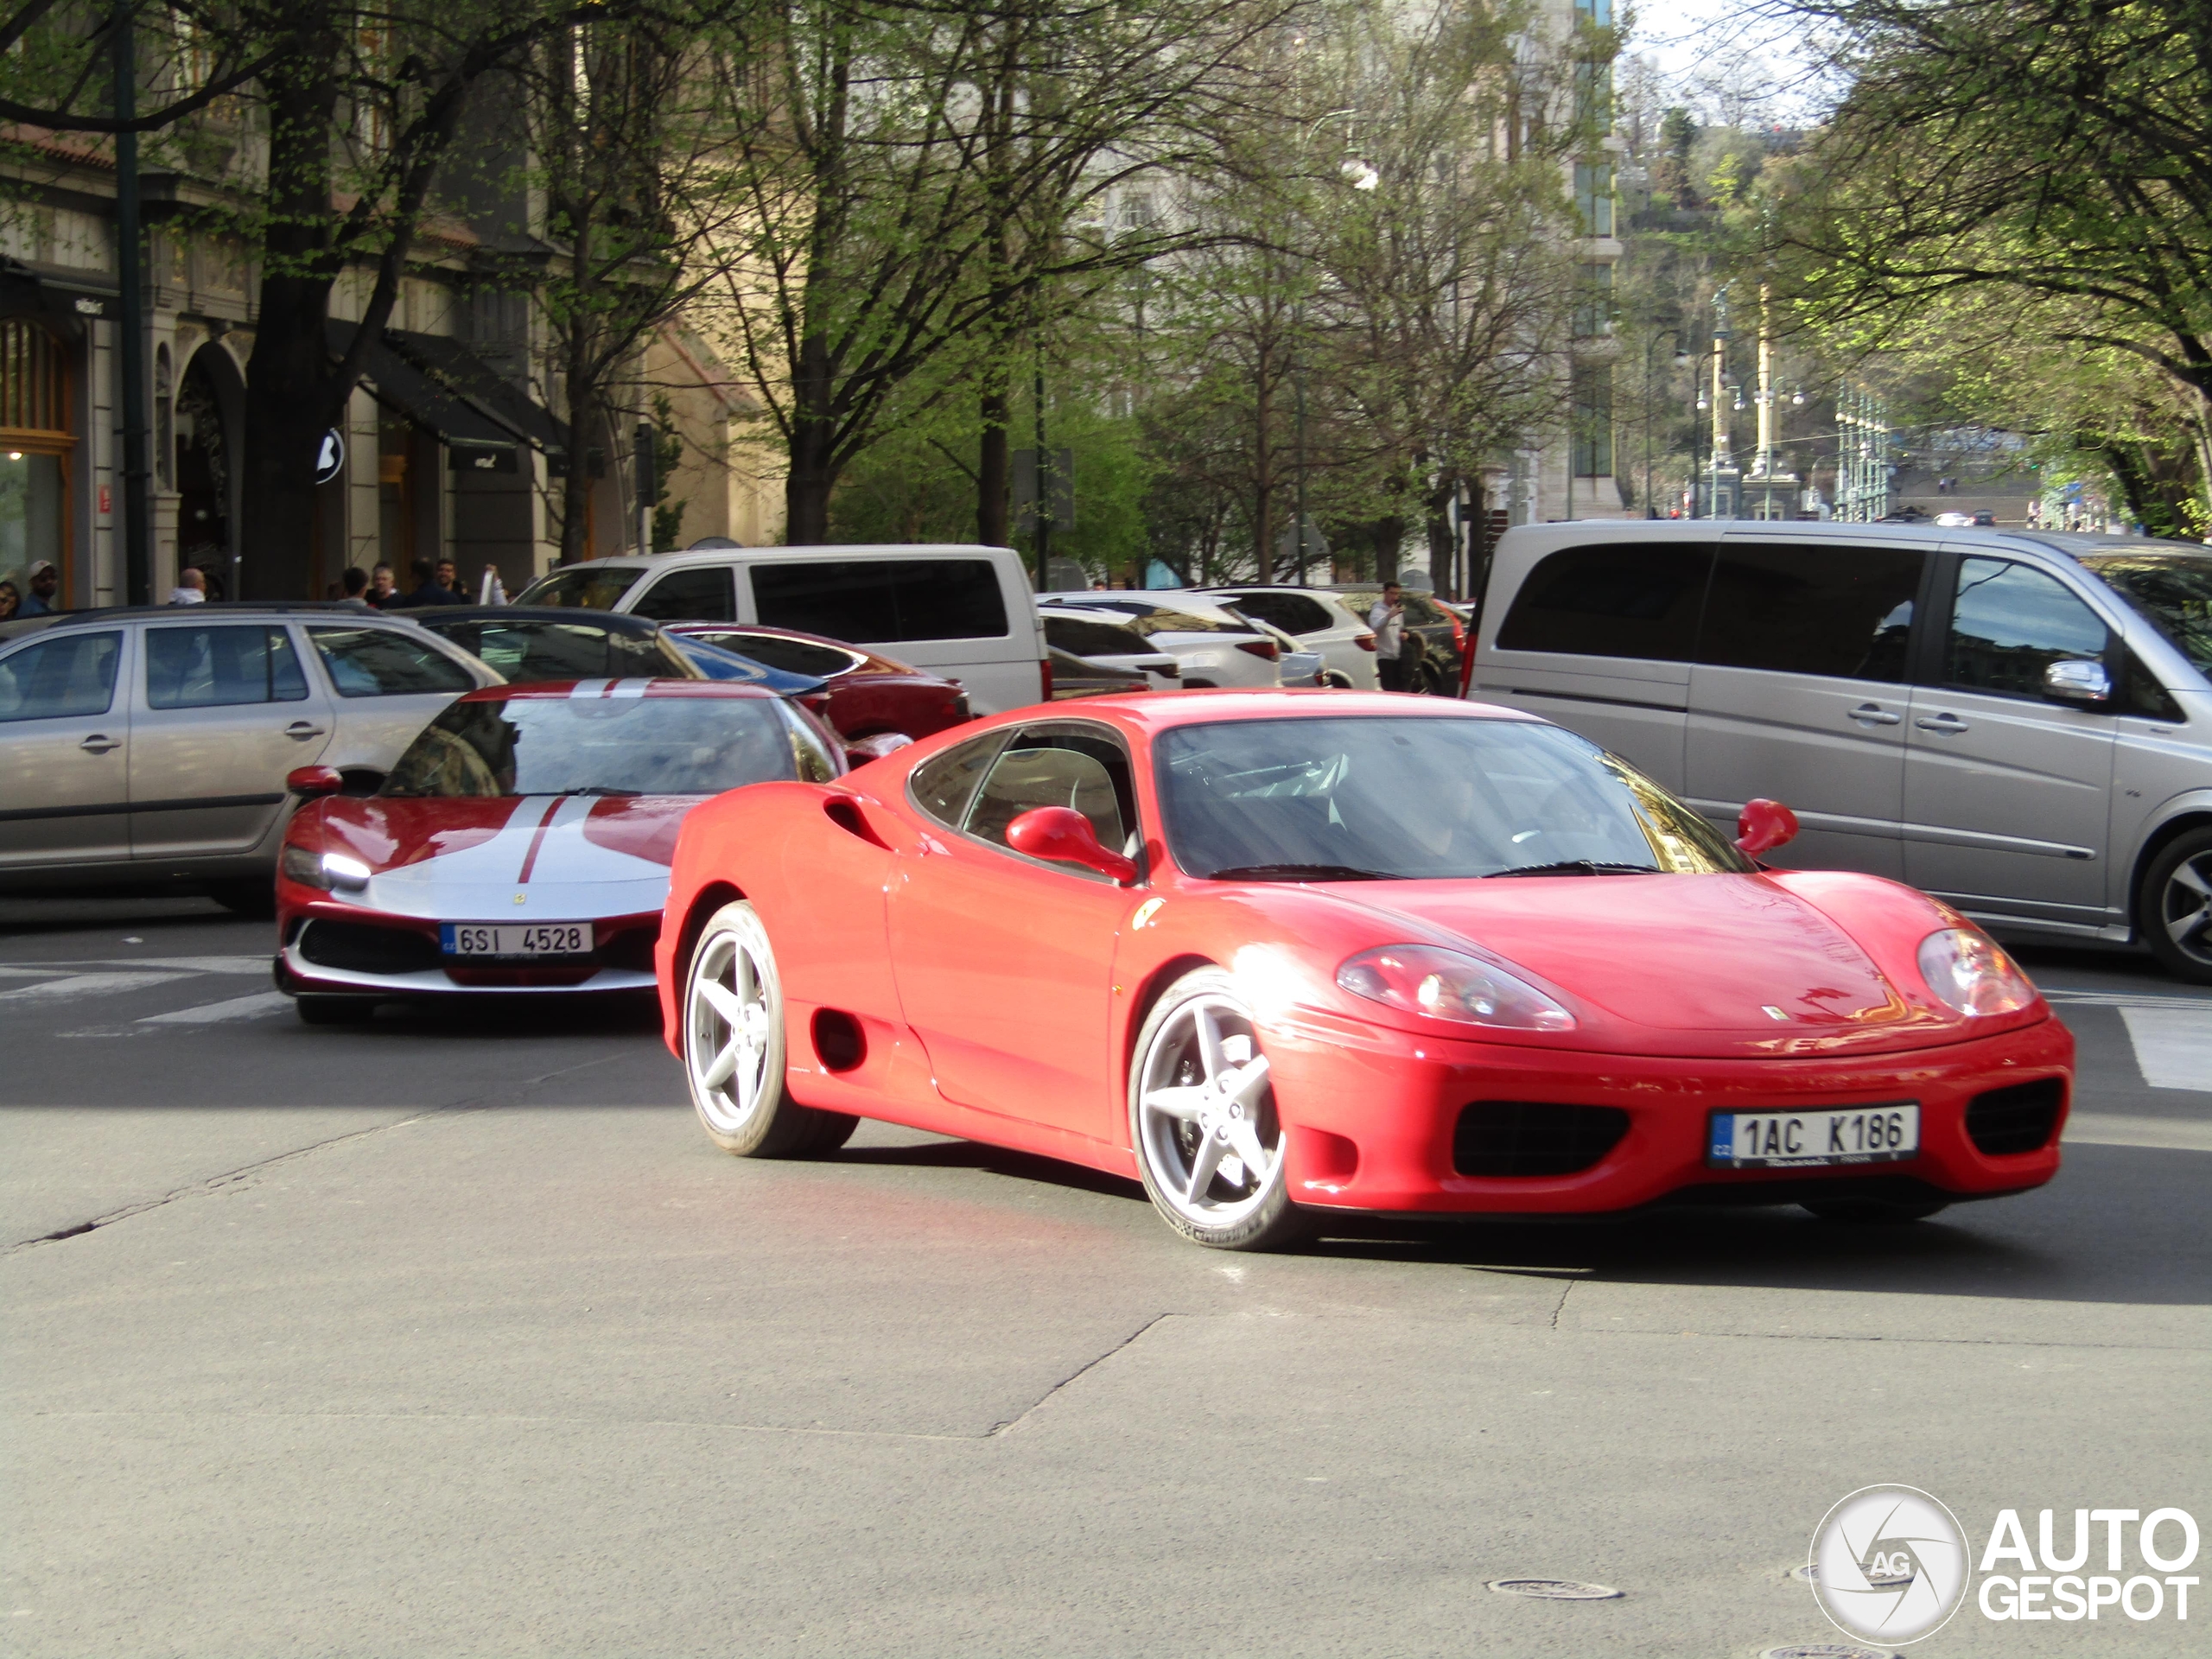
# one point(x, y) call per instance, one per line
point(1202, 1116)
point(733, 1045)
point(2177, 907)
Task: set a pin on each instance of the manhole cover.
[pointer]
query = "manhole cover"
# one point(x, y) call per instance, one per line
point(1824, 1651)
point(1553, 1589)
point(1809, 1574)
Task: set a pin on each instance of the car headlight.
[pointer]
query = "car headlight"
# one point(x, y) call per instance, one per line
point(324, 870)
point(1451, 985)
point(1968, 969)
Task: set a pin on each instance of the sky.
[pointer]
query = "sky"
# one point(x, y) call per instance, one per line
point(1695, 43)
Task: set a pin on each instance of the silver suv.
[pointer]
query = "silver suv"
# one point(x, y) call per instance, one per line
point(2019, 723)
point(141, 744)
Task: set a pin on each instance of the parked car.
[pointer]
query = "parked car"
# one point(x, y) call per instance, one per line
point(867, 693)
point(1434, 639)
point(1321, 620)
point(1277, 956)
point(151, 744)
point(1211, 646)
point(1083, 676)
point(521, 843)
point(1296, 664)
point(964, 612)
point(2017, 722)
point(1113, 645)
point(528, 644)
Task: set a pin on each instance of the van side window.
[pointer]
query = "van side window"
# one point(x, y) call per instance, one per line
point(880, 601)
point(2009, 623)
point(702, 595)
point(1611, 601)
point(1842, 612)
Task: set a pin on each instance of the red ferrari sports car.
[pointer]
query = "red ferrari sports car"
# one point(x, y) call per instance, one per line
point(869, 694)
point(1279, 953)
point(521, 843)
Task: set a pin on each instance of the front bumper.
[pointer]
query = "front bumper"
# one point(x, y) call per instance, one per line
point(338, 949)
point(1371, 1116)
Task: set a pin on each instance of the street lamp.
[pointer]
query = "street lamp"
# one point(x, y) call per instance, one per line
point(1360, 176)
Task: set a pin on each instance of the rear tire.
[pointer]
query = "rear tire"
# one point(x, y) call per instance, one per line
point(1858, 1212)
point(2174, 908)
point(733, 1055)
point(321, 1010)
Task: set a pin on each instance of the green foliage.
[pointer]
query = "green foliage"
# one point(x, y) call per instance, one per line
point(668, 455)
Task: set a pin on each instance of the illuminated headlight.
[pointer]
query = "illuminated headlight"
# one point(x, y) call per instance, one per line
point(1965, 968)
point(324, 870)
point(1451, 985)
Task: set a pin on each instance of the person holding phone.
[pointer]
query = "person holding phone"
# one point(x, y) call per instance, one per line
point(1388, 618)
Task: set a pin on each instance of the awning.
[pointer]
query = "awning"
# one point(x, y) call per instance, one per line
point(482, 420)
point(462, 373)
point(83, 293)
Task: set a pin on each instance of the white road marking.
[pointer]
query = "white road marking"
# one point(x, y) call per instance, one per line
point(180, 964)
point(2123, 1129)
point(2173, 1045)
point(87, 985)
point(208, 1013)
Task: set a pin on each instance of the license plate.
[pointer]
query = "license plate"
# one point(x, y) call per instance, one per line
point(535, 939)
point(1848, 1135)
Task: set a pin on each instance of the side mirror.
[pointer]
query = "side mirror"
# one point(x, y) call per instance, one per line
point(863, 750)
point(1064, 836)
point(1763, 826)
point(312, 781)
point(2077, 682)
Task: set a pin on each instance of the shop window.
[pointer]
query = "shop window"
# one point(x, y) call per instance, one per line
point(36, 442)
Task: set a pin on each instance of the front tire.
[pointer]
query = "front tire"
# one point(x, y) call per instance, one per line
point(734, 1056)
point(1209, 1143)
point(319, 1010)
point(2177, 907)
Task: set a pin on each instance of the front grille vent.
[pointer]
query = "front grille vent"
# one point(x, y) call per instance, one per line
point(2015, 1119)
point(357, 949)
point(1524, 1137)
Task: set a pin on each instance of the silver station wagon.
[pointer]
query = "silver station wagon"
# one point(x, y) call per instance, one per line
point(2019, 723)
point(151, 745)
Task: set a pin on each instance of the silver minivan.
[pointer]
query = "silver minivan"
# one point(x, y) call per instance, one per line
point(2019, 723)
point(149, 745)
point(965, 613)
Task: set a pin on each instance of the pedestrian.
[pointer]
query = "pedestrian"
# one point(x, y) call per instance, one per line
point(44, 580)
point(432, 584)
point(1388, 618)
point(191, 587)
point(11, 598)
point(384, 592)
point(351, 586)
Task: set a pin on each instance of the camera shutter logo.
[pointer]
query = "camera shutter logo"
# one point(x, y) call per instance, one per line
point(1890, 1564)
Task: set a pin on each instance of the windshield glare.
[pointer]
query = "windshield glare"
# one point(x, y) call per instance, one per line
point(608, 745)
point(1148, 619)
point(598, 587)
point(1420, 797)
point(2173, 591)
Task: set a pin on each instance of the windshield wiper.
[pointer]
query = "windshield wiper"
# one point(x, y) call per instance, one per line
point(1578, 866)
point(1299, 873)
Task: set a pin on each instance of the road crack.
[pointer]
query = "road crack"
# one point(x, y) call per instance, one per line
point(1084, 1369)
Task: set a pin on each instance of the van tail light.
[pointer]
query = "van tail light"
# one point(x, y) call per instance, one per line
point(1264, 649)
point(1044, 679)
point(1365, 641)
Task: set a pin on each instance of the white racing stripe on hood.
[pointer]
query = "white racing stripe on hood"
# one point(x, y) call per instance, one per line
point(571, 877)
point(585, 689)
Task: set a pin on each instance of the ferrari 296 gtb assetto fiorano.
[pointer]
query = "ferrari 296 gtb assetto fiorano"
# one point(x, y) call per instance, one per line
point(1278, 953)
point(522, 842)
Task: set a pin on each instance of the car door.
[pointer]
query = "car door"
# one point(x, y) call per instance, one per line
point(1799, 694)
point(64, 750)
point(1005, 962)
point(388, 683)
point(2007, 794)
point(224, 711)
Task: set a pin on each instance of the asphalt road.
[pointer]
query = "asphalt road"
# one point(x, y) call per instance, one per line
point(453, 1336)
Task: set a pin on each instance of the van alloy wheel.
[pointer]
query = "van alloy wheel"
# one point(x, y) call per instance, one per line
point(2176, 911)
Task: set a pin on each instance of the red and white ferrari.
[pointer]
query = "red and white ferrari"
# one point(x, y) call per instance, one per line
point(1279, 953)
point(522, 843)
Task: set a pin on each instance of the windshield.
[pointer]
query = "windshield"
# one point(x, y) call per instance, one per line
point(1418, 797)
point(1148, 618)
point(2173, 591)
point(609, 745)
point(590, 588)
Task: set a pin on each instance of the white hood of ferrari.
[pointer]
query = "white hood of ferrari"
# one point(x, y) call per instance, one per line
point(540, 867)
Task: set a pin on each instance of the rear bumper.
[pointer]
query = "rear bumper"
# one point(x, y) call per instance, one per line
point(1372, 1116)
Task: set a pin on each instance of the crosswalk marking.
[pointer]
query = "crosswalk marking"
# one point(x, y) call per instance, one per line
point(237, 1007)
point(87, 985)
point(2173, 1046)
point(2126, 1129)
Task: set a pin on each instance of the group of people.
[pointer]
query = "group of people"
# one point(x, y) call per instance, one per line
point(437, 582)
point(38, 595)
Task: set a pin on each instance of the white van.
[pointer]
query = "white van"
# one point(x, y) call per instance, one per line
point(965, 613)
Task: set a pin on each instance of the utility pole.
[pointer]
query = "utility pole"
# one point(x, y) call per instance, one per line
point(136, 524)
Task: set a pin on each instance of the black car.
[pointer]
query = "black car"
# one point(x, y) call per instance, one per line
point(1434, 637)
point(543, 642)
point(1078, 676)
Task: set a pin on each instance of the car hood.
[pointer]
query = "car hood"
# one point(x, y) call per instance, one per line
point(1714, 964)
point(527, 858)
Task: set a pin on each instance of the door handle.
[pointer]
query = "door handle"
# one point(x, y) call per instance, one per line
point(1873, 715)
point(1948, 725)
point(100, 743)
point(300, 730)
